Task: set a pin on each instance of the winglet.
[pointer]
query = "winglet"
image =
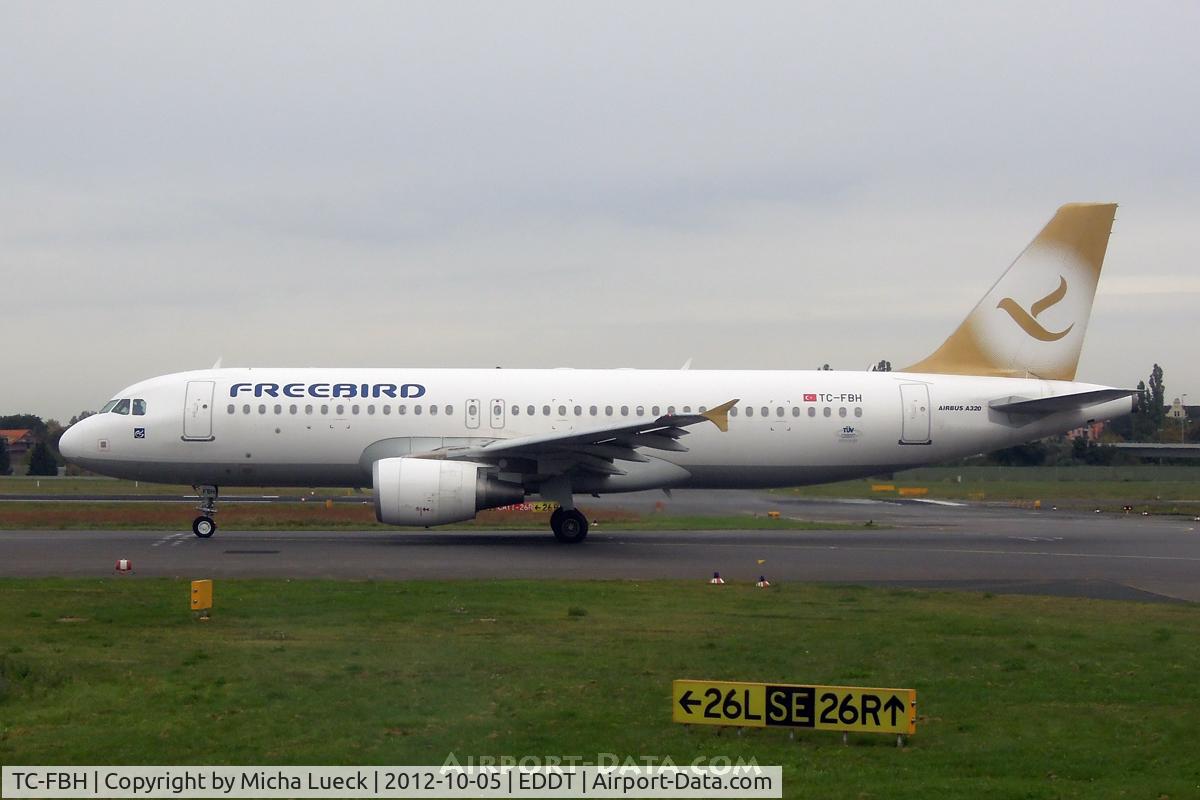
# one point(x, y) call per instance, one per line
point(719, 416)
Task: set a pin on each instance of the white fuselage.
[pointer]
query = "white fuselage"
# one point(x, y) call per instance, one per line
point(314, 427)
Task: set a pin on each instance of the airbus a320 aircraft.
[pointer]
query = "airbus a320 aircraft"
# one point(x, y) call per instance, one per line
point(439, 445)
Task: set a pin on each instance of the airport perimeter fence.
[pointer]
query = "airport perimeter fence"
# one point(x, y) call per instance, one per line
point(1082, 472)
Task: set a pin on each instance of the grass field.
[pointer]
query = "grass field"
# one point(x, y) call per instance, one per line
point(1146, 484)
point(1156, 490)
point(20, 515)
point(1159, 497)
point(1018, 696)
point(16, 484)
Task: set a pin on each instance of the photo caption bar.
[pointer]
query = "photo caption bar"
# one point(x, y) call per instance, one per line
point(393, 782)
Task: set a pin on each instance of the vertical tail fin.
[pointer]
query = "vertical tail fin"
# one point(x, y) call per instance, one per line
point(1032, 321)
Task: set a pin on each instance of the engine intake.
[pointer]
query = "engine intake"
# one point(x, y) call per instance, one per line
point(424, 491)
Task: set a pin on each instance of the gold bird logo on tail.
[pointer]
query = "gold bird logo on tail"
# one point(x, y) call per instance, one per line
point(1028, 321)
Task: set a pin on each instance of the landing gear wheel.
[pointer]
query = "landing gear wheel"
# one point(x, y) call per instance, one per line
point(572, 526)
point(204, 527)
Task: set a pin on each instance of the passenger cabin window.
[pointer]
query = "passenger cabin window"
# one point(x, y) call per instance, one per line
point(578, 411)
point(449, 410)
point(795, 411)
point(417, 408)
point(608, 411)
point(545, 411)
point(278, 409)
point(733, 411)
point(812, 411)
point(654, 411)
point(858, 412)
point(592, 410)
point(827, 412)
point(842, 411)
point(232, 408)
point(530, 410)
point(562, 411)
point(641, 411)
point(624, 411)
point(139, 408)
point(387, 411)
point(262, 408)
point(749, 411)
point(122, 407)
point(433, 410)
point(246, 408)
point(516, 411)
point(402, 410)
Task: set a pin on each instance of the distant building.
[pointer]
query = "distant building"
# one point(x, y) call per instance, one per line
point(20, 440)
point(1090, 432)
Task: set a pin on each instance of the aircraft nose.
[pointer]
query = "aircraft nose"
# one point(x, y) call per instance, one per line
point(69, 444)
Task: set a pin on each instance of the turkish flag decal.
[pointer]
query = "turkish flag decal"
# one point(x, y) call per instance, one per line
point(810, 398)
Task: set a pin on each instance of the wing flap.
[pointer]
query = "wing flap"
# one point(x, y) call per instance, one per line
point(655, 441)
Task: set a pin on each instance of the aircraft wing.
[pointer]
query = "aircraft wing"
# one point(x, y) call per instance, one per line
point(1062, 402)
point(594, 449)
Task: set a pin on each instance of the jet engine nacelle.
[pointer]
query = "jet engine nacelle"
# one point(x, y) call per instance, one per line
point(425, 491)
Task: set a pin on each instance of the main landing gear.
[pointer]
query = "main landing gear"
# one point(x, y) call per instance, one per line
point(203, 525)
point(569, 525)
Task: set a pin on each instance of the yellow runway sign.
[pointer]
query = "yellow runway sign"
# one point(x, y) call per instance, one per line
point(765, 705)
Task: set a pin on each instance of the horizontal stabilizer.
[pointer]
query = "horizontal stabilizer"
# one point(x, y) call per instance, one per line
point(1062, 402)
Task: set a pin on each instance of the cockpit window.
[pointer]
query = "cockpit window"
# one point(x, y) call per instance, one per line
point(139, 407)
point(122, 407)
point(109, 406)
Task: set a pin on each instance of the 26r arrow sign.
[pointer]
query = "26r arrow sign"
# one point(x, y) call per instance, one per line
point(762, 705)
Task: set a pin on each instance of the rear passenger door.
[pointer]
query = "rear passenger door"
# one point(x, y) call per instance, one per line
point(914, 404)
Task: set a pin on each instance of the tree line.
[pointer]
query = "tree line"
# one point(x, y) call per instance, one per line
point(44, 458)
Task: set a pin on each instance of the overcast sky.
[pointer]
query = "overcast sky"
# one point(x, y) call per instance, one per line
point(563, 184)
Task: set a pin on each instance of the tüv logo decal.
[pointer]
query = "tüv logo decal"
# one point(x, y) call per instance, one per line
point(364, 390)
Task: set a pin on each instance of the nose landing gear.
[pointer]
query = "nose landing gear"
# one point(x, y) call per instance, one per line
point(204, 526)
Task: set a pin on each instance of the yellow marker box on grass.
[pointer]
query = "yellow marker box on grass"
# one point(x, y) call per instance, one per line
point(202, 595)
